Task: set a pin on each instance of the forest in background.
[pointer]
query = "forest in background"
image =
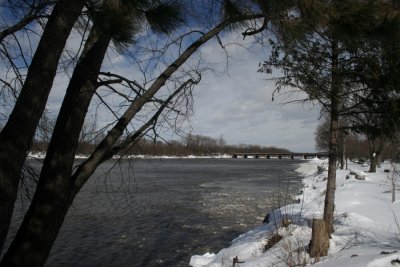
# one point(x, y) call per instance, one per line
point(356, 146)
point(198, 145)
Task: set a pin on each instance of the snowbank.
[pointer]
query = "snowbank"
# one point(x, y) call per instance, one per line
point(42, 155)
point(367, 230)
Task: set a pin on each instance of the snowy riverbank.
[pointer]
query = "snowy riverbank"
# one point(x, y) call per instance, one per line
point(42, 155)
point(367, 229)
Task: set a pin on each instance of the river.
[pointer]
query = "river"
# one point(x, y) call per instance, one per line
point(159, 212)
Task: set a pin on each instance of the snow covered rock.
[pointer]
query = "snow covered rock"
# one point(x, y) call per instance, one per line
point(201, 260)
point(359, 175)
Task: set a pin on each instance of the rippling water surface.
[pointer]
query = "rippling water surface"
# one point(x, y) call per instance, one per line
point(158, 212)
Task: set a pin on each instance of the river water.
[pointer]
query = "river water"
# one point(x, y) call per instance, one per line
point(159, 212)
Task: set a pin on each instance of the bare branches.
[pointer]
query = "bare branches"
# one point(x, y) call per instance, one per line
point(103, 149)
point(34, 12)
point(131, 84)
point(252, 31)
point(20, 25)
point(152, 121)
point(16, 48)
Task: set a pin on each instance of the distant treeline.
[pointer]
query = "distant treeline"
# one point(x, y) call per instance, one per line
point(197, 145)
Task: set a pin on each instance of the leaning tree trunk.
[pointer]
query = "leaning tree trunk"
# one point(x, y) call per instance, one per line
point(57, 188)
point(53, 187)
point(17, 134)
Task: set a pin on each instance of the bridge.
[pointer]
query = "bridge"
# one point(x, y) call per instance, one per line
point(289, 155)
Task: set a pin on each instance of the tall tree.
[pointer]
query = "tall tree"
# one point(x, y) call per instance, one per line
point(111, 20)
point(15, 142)
point(313, 49)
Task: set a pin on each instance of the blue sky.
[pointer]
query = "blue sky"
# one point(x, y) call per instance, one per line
point(232, 100)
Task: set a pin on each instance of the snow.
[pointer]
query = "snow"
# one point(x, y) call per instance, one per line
point(42, 155)
point(367, 229)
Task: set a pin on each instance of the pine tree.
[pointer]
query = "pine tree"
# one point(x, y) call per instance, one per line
point(314, 49)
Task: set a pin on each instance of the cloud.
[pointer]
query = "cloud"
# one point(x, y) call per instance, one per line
point(238, 104)
point(233, 99)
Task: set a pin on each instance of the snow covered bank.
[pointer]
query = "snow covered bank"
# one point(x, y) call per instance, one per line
point(367, 229)
point(42, 155)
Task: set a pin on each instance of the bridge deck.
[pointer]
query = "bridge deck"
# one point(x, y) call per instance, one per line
point(291, 155)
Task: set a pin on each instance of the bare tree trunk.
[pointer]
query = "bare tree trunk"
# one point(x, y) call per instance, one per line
point(57, 166)
point(342, 150)
point(379, 160)
point(342, 162)
point(373, 161)
point(375, 148)
point(319, 245)
point(17, 134)
point(345, 153)
point(38, 241)
point(393, 185)
point(329, 207)
point(57, 188)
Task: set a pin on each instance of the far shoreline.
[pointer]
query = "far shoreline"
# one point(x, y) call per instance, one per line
point(42, 155)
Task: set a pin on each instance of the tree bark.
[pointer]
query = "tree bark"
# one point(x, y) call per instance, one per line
point(53, 190)
point(373, 162)
point(18, 132)
point(372, 154)
point(342, 150)
point(329, 207)
point(393, 186)
point(375, 148)
point(319, 244)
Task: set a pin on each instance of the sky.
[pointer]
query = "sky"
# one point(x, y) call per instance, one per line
point(233, 100)
point(237, 104)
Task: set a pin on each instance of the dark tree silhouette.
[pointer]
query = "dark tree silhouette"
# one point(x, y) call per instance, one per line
point(18, 132)
point(58, 184)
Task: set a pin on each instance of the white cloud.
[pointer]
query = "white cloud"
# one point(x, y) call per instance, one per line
point(233, 100)
point(239, 106)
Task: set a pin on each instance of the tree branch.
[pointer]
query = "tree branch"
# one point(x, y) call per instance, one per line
point(89, 166)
